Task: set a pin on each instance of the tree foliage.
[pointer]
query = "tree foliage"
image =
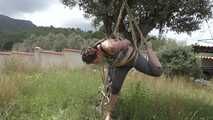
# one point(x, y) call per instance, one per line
point(56, 42)
point(176, 15)
point(7, 39)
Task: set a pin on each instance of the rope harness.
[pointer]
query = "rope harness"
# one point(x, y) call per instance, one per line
point(133, 24)
point(105, 89)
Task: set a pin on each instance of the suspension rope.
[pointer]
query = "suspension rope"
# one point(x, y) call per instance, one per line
point(133, 23)
point(134, 37)
point(142, 38)
point(119, 18)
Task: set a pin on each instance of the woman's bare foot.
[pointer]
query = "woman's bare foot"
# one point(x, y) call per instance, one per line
point(108, 117)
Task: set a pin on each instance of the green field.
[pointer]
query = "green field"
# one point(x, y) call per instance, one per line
point(62, 94)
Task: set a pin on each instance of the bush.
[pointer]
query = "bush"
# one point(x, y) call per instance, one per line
point(179, 60)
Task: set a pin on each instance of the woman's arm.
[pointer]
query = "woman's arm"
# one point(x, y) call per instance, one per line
point(153, 60)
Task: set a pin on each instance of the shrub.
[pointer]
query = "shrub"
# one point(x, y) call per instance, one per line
point(179, 60)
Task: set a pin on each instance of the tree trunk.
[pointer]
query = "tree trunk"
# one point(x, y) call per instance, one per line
point(108, 25)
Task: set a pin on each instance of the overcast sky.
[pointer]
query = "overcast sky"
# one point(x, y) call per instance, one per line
point(52, 12)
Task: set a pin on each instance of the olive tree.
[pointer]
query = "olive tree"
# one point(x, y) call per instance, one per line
point(175, 15)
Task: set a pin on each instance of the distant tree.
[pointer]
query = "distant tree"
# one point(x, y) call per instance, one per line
point(56, 41)
point(76, 41)
point(8, 39)
point(175, 15)
point(98, 35)
point(60, 42)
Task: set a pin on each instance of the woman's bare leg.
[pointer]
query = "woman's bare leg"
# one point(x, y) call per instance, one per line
point(111, 107)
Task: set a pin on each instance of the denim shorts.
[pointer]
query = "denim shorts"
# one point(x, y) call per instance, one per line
point(117, 75)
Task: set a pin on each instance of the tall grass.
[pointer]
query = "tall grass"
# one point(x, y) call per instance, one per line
point(12, 75)
point(159, 99)
point(16, 64)
point(10, 85)
point(63, 94)
point(56, 95)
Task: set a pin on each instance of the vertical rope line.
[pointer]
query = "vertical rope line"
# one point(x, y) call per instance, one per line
point(136, 25)
point(134, 38)
point(119, 18)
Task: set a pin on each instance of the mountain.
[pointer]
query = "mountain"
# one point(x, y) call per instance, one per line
point(8, 24)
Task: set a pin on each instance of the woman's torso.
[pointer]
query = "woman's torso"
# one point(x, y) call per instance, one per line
point(118, 53)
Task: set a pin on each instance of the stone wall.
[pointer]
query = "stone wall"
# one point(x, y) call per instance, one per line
point(70, 58)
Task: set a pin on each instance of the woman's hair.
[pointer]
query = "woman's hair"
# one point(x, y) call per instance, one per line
point(89, 55)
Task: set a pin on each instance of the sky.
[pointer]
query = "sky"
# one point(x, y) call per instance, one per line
point(53, 12)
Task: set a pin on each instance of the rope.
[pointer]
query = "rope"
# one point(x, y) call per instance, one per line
point(119, 18)
point(103, 92)
point(142, 38)
point(134, 38)
point(131, 21)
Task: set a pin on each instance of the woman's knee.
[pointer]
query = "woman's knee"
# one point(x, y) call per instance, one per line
point(115, 90)
point(157, 71)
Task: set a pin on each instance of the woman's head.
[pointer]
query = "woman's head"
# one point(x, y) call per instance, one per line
point(89, 55)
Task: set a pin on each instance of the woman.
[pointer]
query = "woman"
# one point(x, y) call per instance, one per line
point(121, 57)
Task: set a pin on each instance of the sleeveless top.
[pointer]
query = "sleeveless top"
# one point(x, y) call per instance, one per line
point(121, 58)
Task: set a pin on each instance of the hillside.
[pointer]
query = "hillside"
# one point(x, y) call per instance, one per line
point(24, 34)
point(8, 24)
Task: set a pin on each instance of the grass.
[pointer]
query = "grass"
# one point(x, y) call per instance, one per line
point(62, 94)
point(160, 99)
point(54, 95)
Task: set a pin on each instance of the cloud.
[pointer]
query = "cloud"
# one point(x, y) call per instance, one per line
point(83, 25)
point(45, 13)
point(11, 7)
point(206, 32)
point(58, 15)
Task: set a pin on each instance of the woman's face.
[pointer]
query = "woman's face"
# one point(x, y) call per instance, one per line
point(98, 58)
